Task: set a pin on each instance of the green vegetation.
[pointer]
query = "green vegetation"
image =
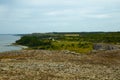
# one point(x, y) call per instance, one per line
point(78, 42)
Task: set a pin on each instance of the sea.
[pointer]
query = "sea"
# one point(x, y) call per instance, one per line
point(6, 41)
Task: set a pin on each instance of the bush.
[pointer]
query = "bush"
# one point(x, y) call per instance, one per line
point(33, 41)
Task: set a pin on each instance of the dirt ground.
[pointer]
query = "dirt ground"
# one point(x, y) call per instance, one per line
point(59, 65)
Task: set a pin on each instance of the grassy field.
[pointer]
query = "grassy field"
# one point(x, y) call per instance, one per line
point(77, 42)
point(80, 47)
point(59, 65)
point(56, 56)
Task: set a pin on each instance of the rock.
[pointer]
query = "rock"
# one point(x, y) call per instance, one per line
point(102, 46)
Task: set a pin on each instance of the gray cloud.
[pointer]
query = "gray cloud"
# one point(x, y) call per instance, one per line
point(59, 15)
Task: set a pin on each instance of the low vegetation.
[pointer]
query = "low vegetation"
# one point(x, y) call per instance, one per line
point(59, 65)
point(57, 58)
point(78, 42)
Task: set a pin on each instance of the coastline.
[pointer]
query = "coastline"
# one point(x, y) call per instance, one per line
point(14, 48)
point(6, 42)
point(23, 47)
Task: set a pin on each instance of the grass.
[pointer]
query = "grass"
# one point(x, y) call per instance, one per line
point(78, 42)
point(79, 47)
point(59, 65)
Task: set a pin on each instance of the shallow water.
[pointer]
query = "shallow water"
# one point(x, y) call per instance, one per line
point(6, 41)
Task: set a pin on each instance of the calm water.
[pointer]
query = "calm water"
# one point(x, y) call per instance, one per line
point(6, 41)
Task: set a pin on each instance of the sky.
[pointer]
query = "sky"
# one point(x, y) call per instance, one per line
point(32, 16)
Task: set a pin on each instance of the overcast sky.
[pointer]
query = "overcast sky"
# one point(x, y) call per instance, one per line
point(28, 16)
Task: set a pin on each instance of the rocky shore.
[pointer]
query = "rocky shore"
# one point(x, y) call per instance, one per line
point(59, 65)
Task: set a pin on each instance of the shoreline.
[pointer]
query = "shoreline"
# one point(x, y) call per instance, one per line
point(18, 48)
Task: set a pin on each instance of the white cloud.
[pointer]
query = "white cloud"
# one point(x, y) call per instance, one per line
point(59, 12)
point(35, 2)
point(69, 12)
point(3, 8)
point(99, 16)
point(3, 11)
point(21, 13)
point(69, 2)
point(83, 13)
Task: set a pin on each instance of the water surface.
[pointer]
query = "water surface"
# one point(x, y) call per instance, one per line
point(6, 41)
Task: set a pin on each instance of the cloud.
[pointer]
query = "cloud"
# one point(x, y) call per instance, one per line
point(57, 13)
point(82, 12)
point(3, 10)
point(79, 8)
point(65, 2)
point(99, 16)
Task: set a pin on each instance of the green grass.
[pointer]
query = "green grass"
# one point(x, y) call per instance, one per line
point(78, 42)
point(72, 46)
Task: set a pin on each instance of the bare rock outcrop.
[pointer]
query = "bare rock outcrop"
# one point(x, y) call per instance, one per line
point(103, 46)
